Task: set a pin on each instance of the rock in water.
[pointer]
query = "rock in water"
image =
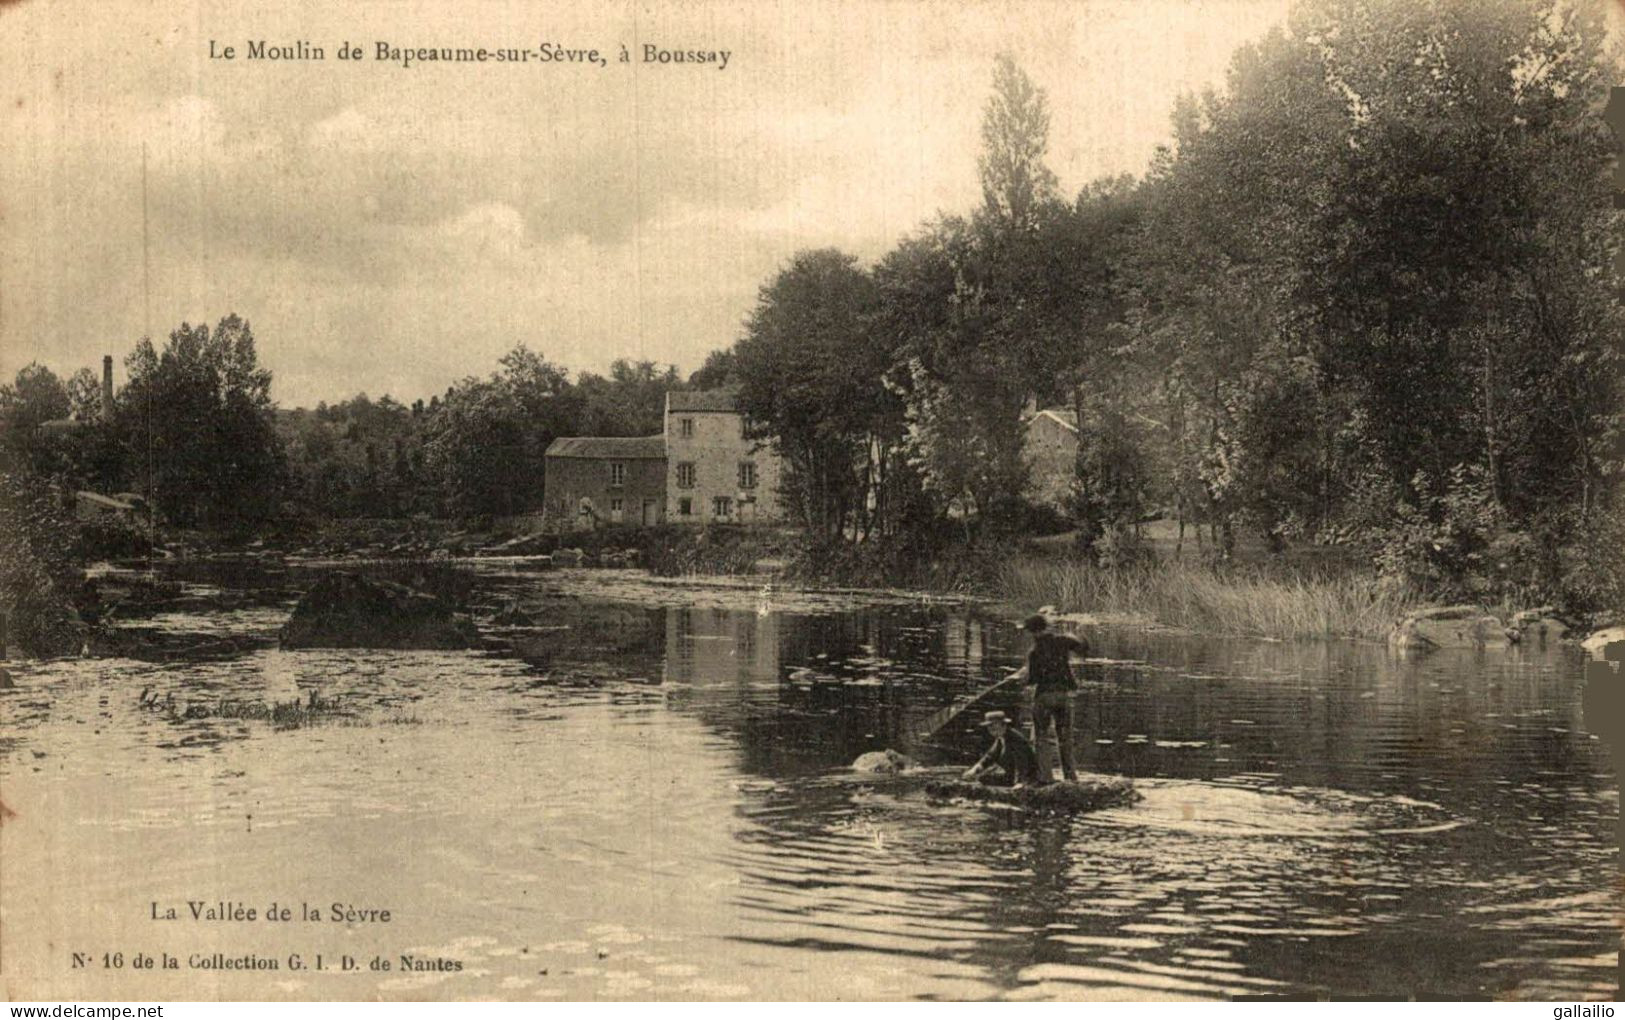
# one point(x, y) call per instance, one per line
point(1448, 627)
point(346, 610)
point(1051, 798)
point(881, 761)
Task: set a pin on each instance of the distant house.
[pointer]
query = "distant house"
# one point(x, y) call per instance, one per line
point(593, 481)
point(714, 473)
point(1051, 446)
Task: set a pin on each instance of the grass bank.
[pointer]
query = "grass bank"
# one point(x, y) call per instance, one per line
point(1244, 600)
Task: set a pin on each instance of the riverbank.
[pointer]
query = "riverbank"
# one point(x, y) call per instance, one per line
point(1305, 594)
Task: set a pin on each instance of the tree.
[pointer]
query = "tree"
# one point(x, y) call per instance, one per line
point(34, 398)
point(716, 373)
point(486, 442)
point(631, 401)
point(962, 391)
point(85, 396)
point(1016, 184)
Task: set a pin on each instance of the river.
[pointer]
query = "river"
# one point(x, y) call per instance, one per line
point(647, 799)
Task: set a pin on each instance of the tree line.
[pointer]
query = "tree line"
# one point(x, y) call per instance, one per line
point(1365, 297)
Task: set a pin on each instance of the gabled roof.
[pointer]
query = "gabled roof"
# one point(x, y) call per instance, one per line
point(609, 447)
point(701, 400)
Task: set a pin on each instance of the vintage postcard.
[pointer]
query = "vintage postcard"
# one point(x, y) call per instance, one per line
point(834, 500)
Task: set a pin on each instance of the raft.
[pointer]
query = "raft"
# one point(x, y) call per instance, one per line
point(1053, 798)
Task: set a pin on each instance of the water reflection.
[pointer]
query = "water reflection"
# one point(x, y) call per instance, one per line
point(644, 797)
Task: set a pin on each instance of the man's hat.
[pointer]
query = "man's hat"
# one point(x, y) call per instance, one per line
point(993, 717)
point(1035, 623)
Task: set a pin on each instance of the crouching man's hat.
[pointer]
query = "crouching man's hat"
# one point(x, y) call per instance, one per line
point(993, 717)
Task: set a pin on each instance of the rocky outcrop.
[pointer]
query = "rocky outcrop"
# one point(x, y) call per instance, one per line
point(345, 610)
point(1449, 627)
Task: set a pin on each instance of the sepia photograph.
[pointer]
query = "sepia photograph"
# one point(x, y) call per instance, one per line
point(846, 500)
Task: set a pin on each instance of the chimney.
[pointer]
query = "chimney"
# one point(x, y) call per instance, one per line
point(107, 387)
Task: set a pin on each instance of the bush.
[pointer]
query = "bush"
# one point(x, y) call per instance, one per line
point(1457, 544)
point(1121, 547)
point(1593, 581)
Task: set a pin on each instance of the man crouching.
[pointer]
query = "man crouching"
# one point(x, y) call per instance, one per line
point(1012, 755)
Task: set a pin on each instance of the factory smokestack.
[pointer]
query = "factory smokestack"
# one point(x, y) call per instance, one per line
point(107, 387)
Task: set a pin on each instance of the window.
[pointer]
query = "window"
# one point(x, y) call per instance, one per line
point(722, 506)
point(685, 475)
point(615, 508)
point(747, 474)
point(685, 507)
point(617, 474)
point(686, 428)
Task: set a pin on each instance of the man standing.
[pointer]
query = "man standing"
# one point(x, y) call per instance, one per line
point(1049, 670)
point(1010, 752)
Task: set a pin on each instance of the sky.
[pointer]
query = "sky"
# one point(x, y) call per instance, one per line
point(391, 229)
